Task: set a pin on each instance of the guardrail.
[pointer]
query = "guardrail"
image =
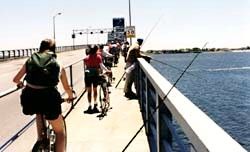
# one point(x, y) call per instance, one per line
point(20, 53)
point(74, 78)
point(166, 113)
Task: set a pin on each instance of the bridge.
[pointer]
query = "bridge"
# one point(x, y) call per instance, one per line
point(152, 123)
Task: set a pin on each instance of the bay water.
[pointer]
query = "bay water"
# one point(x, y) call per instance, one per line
point(218, 83)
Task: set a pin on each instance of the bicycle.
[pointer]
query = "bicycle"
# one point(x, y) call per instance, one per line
point(104, 90)
point(47, 144)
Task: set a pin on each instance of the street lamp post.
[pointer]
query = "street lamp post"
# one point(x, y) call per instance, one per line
point(73, 37)
point(130, 19)
point(54, 26)
point(87, 33)
point(87, 36)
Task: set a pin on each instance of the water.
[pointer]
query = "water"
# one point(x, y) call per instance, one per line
point(218, 83)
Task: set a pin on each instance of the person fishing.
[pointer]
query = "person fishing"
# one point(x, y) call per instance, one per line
point(131, 61)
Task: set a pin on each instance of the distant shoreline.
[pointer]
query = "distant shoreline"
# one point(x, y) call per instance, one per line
point(194, 51)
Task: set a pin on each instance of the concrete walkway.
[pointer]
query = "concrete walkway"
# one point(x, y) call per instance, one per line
point(86, 132)
point(112, 133)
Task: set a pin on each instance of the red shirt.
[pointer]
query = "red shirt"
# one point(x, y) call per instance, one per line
point(93, 61)
point(99, 53)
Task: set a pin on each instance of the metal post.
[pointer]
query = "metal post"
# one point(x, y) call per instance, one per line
point(54, 26)
point(73, 39)
point(71, 76)
point(129, 20)
point(87, 33)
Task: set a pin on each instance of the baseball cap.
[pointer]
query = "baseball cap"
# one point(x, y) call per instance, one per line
point(139, 40)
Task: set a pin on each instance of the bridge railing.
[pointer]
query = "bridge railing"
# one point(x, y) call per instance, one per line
point(173, 122)
point(20, 53)
point(75, 78)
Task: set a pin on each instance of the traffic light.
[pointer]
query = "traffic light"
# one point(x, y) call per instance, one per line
point(91, 32)
point(101, 32)
point(80, 33)
point(73, 36)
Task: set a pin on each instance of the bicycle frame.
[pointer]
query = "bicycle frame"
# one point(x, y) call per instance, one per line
point(47, 144)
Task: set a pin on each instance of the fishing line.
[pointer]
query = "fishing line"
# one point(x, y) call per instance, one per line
point(174, 67)
point(157, 22)
point(151, 114)
point(209, 70)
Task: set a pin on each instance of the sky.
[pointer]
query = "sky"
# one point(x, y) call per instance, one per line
point(164, 24)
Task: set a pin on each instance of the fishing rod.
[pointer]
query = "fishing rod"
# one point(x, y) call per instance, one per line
point(120, 79)
point(157, 22)
point(151, 115)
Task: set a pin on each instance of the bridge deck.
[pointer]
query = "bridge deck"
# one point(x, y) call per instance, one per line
point(86, 132)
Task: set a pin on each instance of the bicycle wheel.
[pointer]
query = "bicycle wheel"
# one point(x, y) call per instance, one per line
point(100, 98)
point(107, 101)
point(41, 146)
point(52, 138)
point(103, 107)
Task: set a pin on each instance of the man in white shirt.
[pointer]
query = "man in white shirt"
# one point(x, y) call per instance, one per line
point(131, 62)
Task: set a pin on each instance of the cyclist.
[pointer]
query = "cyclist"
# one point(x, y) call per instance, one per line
point(104, 52)
point(114, 49)
point(105, 56)
point(40, 95)
point(93, 66)
point(108, 57)
point(124, 49)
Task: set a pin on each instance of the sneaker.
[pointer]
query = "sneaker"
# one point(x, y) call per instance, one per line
point(89, 110)
point(127, 95)
point(109, 84)
point(95, 109)
point(131, 95)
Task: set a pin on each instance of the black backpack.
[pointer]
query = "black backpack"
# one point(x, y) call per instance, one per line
point(42, 69)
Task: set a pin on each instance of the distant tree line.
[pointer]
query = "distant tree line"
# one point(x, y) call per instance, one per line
point(195, 50)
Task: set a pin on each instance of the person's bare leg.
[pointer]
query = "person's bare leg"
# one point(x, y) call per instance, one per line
point(95, 94)
point(89, 94)
point(39, 126)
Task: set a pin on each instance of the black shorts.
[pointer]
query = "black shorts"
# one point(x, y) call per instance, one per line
point(41, 101)
point(91, 80)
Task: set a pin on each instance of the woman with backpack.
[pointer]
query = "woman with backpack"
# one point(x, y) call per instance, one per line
point(40, 95)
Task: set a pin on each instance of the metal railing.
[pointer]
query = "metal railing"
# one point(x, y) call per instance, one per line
point(20, 53)
point(165, 114)
point(74, 77)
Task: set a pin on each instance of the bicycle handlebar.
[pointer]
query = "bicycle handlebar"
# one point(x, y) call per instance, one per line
point(70, 100)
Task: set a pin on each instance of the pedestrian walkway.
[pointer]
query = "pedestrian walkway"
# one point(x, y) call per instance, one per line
point(112, 133)
point(86, 132)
